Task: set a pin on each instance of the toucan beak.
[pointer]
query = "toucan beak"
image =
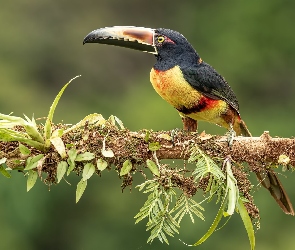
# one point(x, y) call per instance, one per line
point(138, 38)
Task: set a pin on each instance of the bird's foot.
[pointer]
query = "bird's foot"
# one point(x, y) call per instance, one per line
point(189, 124)
point(173, 133)
point(231, 134)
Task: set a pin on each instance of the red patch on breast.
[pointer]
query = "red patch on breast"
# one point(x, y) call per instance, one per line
point(207, 103)
point(203, 104)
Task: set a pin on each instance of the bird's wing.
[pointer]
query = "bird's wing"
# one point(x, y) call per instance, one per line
point(205, 79)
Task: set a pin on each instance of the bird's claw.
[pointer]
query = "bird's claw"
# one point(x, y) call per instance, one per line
point(231, 134)
point(173, 134)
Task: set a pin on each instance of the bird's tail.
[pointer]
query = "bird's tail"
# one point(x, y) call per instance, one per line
point(270, 180)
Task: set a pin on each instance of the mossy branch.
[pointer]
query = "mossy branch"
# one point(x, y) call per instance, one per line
point(256, 151)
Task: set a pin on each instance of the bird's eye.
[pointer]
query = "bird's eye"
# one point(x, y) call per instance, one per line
point(161, 39)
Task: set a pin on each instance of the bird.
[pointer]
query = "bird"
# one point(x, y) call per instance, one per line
point(193, 87)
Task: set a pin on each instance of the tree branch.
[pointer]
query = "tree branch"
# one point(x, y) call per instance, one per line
point(263, 150)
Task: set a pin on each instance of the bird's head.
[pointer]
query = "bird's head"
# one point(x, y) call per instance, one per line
point(169, 42)
point(166, 44)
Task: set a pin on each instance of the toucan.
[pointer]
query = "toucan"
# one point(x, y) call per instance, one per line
point(190, 85)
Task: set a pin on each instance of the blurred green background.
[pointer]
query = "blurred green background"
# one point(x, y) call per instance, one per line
point(251, 43)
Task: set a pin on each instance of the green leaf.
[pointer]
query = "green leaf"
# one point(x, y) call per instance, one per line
point(165, 136)
point(4, 172)
point(214, 224)
point(107, 153)
point(32, 162)
point(147, 136)
point(81, 186)
point(24, 150)
point(71, 166)
point(154, 146)
point(32, 178)
point(88, 171)
point(186, 205)
point(3, 160)
point(156, 209)
point(59, 146)
point(113, 119)
point(47, 126)
point(11, 135)
point(32, 130)
point(284, 160)
point(101, 164)
point(57, 133)
point(29, 125)
point(87, 156)
point(231, 189)
point(247, 223)
point(120, 123)
point(61, 170)
point(205, 165)
point(127, 166)
point(72, 153)
point(153, 167)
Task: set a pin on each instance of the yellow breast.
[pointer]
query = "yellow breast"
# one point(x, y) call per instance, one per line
point(173, 88)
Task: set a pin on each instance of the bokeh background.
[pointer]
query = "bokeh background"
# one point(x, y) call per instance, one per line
point(251, 43)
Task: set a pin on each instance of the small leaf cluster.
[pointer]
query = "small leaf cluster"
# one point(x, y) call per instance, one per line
point(227, 192)
point(29, 132)
point(26, 131)
point(165, 210)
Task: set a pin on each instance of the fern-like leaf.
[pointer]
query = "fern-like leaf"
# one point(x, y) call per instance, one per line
point(204, 165)
point(185, 205)
point(156, 209)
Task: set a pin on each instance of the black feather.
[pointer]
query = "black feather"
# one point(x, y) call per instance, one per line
point(205, 79)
